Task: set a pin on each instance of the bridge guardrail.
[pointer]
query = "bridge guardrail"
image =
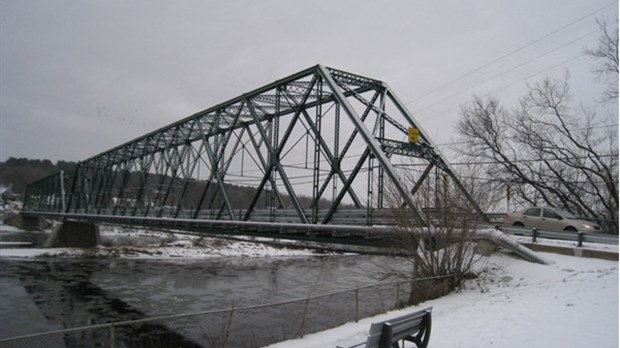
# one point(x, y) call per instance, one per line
point(349, 223)
point(578, 237)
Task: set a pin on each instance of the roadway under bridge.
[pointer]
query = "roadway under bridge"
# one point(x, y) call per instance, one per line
point(322, 153)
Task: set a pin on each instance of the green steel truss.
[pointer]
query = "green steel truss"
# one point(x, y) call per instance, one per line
point(310, 146)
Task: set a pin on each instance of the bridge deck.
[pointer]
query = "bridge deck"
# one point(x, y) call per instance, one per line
point(282, 227)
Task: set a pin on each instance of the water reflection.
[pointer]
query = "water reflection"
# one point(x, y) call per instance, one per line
point(66, 293)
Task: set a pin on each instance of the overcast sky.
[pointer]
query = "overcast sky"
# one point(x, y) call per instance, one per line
point(80, 77)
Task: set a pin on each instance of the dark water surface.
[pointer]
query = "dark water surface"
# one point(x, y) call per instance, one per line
point(55, 293)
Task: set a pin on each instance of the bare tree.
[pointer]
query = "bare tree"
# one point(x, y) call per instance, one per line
point(552, 152)
point(444, 250)
point(606, 59)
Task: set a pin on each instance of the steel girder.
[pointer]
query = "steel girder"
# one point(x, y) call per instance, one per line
point(287, 140)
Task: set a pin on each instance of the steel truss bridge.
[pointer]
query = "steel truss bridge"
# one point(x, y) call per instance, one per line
point(320, 152)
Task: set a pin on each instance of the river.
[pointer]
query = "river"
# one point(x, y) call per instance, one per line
point(39, 295)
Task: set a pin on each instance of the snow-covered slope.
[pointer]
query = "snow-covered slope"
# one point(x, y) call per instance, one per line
point(572, 303)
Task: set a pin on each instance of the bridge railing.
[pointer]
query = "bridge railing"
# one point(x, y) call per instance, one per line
point(578, 237)
point(352, 217)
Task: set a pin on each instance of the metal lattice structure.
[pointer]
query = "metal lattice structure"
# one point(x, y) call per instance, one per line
point(316, 148)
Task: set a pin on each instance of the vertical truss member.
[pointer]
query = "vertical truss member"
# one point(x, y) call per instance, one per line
point(352, 125)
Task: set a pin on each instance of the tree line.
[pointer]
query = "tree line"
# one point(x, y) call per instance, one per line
point(19, 172)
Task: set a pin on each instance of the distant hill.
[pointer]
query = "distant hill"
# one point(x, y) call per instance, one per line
point(21, 171)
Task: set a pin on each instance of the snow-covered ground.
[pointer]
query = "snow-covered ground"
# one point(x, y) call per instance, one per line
point(139, 243)
point(515, 303)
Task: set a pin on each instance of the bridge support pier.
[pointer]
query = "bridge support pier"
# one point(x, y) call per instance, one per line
point(74, 234)
point(30, 223)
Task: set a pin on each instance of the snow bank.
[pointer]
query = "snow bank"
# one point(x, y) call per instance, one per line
point(39, 252)
point(145, 244)
point(9, 229)
point(572, 303)
point(567, 244)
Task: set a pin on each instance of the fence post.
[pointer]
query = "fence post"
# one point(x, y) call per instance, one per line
point(300, 332)
point(112, 337)
point(228, 325)
point(396, 305)
point(357, 293)
point(580, 238)
point(534, 234)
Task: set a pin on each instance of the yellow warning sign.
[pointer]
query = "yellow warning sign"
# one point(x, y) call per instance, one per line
point(414, 135)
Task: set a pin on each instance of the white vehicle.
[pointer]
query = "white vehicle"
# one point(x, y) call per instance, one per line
point(549, 219)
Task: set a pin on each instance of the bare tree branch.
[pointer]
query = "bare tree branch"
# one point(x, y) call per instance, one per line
point(606, 56)
point(549, 150)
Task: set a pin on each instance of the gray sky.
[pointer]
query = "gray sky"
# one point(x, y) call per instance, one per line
point(80, 77)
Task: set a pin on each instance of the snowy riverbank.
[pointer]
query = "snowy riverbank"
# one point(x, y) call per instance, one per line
point(139, 243)
point(515, 303)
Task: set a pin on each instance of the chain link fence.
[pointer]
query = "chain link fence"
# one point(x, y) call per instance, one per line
point(246, 327)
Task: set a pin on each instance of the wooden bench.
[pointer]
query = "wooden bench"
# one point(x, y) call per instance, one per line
point(414, 327)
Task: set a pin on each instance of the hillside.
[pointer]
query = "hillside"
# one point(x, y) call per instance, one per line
point(19, 172)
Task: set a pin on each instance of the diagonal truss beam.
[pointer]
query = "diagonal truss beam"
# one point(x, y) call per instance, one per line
point(439, 158)
point(372, 143)
point(189, 168)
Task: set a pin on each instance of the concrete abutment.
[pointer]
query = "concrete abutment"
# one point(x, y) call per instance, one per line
point(76, 234)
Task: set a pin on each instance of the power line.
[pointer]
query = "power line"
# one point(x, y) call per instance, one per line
point(532, 160)
point(507, 71)
point(511, 52)
point(495, 162)
point(465, 142)
point(510, 85)
point(512, 181)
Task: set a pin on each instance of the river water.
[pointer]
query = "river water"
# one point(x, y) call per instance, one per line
point(55, 293)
